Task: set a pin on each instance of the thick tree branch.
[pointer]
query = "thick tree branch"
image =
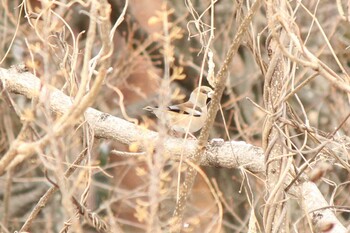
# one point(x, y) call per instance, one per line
point(225, 154)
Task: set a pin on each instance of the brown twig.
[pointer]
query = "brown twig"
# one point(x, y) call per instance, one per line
point(214, 107)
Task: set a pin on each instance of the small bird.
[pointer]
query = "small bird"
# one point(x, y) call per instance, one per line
point(189, 116)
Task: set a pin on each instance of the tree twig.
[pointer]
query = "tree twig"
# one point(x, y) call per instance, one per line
point(213, 109)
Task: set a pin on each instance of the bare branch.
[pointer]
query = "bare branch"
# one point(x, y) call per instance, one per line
point(220, 154)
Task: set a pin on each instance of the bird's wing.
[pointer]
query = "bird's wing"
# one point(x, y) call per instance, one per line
point(186, 109)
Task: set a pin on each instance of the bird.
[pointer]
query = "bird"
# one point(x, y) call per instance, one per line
point(189, 116)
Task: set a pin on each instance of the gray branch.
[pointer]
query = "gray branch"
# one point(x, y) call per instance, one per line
point(219, 154)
